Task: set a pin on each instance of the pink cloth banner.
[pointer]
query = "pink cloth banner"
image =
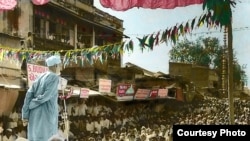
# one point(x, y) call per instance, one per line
point(123, 5)
point(7, 4)
point(10, 4)
point(40, 2)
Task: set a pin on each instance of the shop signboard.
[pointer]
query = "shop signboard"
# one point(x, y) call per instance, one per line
point(105, 85)
point(125, 92)
point(84, 93)
point(33, 71)
point(142, 94)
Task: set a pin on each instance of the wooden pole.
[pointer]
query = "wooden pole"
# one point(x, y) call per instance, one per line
point(230, 74)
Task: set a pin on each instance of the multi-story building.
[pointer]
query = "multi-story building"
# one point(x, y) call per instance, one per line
point(56, 26)
point(59, 25)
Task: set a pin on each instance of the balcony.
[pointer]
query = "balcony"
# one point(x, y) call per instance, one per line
point(90, 13)
point(106, 19)
point(47, 44)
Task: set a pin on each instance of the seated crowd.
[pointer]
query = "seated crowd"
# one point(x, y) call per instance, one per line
point(97, 119)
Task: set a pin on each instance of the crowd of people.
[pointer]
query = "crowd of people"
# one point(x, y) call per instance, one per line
point(97, 118)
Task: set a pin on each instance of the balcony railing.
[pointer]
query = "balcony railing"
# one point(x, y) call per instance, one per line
point(91, 13)
point(47, 44)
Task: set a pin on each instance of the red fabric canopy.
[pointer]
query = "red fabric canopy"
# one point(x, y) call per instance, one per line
point(123, 5)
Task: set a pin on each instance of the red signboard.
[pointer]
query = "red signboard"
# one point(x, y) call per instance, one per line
point(125, 92)
point(153, 93)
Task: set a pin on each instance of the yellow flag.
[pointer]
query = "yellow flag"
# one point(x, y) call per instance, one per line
point(201, 24)
point(1, 55)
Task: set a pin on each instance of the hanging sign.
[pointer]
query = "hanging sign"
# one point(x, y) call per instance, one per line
point(142, 93)
point(104, 86)
point(34, 71)
point(62, 83)
point(84, 93)
point(125, 92)
point(153, 93)
point(162, 93)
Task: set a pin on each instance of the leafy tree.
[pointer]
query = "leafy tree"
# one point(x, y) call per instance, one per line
point(239, 74)
point(203, 52)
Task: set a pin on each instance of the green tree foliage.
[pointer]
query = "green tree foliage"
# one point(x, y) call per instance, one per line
point(203, 52)
point(239, 74)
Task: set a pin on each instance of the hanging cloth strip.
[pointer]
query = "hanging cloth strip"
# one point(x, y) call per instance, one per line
point(123, 5)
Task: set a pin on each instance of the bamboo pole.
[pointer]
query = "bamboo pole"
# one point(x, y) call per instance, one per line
point(230, 74)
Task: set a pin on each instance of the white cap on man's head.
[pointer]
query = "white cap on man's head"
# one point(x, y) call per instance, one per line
point(53, 60)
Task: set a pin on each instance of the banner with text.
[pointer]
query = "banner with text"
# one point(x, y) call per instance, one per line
point(150, 94)
point(104, 85)
point(34, 71)
point(125, 92)
point(142, 93)
point(84, 93)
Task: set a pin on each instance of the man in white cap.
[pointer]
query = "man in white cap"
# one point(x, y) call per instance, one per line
point(40, 108)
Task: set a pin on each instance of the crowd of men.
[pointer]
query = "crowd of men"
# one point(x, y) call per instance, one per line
point(96, 118)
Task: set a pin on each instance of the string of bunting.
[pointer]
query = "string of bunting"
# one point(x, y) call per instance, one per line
point(101, 52)
point(91, 55)
point(172, 34)
point(218, 14)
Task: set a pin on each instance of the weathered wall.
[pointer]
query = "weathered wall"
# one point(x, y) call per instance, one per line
point(8, 99)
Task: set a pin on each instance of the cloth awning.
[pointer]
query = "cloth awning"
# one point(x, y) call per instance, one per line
point(123, 5)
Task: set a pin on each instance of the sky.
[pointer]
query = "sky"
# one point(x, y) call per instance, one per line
point(140, 21)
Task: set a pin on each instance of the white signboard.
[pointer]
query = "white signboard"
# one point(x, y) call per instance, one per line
point(142, 93)
point(104, 85)
point(62, 83)
point(35, 70)
point(84, 93)
point(162, 93)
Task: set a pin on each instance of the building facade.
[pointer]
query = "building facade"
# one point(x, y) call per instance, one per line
point(202, 77)
point(59, 25)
